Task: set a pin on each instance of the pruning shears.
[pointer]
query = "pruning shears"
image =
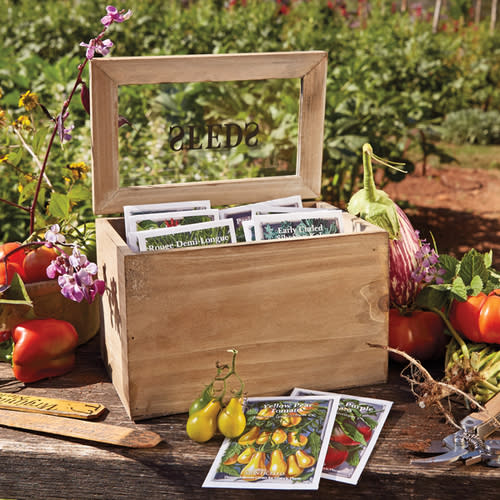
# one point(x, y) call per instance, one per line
point(469, 444)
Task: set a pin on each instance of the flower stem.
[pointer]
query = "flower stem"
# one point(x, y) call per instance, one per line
point(49, 147)
point(65, 106)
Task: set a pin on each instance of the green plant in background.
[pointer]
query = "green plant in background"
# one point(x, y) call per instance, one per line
point(29, 135)
point(471, 125)
point(391, 81)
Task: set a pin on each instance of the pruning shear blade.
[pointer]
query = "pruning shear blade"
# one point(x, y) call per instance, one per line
point(469, 444)
point(445, 458)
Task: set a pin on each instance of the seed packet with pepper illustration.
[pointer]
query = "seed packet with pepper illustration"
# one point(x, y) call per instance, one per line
point(358, 424)
point(283, 446)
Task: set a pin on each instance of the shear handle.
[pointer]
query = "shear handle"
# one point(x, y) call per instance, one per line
point(483, 423)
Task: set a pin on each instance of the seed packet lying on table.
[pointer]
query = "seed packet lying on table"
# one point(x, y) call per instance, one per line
point(283, 445)
point(244, 212)
point(219, 232)
point(358, 424)
point(143, 222)
point(297, 224)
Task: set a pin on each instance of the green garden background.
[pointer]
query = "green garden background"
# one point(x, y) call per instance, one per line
point(393, 81)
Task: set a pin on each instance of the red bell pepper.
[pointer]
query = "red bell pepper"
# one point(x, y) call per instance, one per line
point(43, 348)
point(478, 318)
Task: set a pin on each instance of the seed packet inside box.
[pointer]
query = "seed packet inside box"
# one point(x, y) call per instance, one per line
point(151, 208)
point(244, 212)
point(298, 224)
point(220, 232)
point(161, 220)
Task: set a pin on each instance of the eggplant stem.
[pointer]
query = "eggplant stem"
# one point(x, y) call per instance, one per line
point(368, 180)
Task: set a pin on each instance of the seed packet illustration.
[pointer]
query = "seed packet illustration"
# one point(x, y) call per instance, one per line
point(152, 208)
point(298, 224)
point(248, 230)
point(204, 234)
point(283, 445)
point(143, 222)
point(358, 424)
point(244, 212)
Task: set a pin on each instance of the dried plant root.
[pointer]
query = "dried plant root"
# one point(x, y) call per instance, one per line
point(429, 392)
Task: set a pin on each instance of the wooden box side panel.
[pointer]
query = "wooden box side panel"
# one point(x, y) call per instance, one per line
point(110, 247)
point(299, 312)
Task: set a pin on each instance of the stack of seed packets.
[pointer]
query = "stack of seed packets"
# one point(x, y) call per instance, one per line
point(292, 442)
point(166, 226)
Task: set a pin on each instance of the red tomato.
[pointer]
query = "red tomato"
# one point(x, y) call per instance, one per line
point(464, 316)
point(365, 430)
point(478, 318)
point(14, 262)
point(489, 319)
point(335, 457)
point(36, 263)
point(419, 334)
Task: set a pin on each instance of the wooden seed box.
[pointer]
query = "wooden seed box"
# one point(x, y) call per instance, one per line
point(300, 312)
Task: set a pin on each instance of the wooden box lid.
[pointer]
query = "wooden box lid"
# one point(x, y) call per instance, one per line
point(107, 74)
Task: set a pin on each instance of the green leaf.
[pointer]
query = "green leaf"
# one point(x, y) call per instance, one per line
point(230, 471)
point(351, 431)
point(372, 423)
point(79, 192)
point(303, 477)
point(39, 140)
point(315, 444)
point(488, 259)
point(16, 294)
point(353, 458)
point(432, 296)
point(473, 265)
point(450, 265)
point(476, 285)
point(59, 205)
point(458, 289)
point(15, 156)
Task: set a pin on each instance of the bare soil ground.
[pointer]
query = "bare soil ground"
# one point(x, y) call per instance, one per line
point(459, 206)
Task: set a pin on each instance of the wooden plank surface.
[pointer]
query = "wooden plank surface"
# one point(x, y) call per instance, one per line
point(36, 466)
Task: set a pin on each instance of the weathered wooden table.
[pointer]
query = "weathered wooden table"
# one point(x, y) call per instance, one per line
point(38, 466)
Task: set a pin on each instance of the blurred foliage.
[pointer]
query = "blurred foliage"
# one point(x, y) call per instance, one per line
point(471, 125)
point(391, 82)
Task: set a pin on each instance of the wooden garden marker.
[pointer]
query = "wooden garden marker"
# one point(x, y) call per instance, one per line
point(89, 431)
point(58, 407)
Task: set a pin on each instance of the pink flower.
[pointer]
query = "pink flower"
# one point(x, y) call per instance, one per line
point(75, 275)
point(64, 133)
point(115, 16)
point(95, 45)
